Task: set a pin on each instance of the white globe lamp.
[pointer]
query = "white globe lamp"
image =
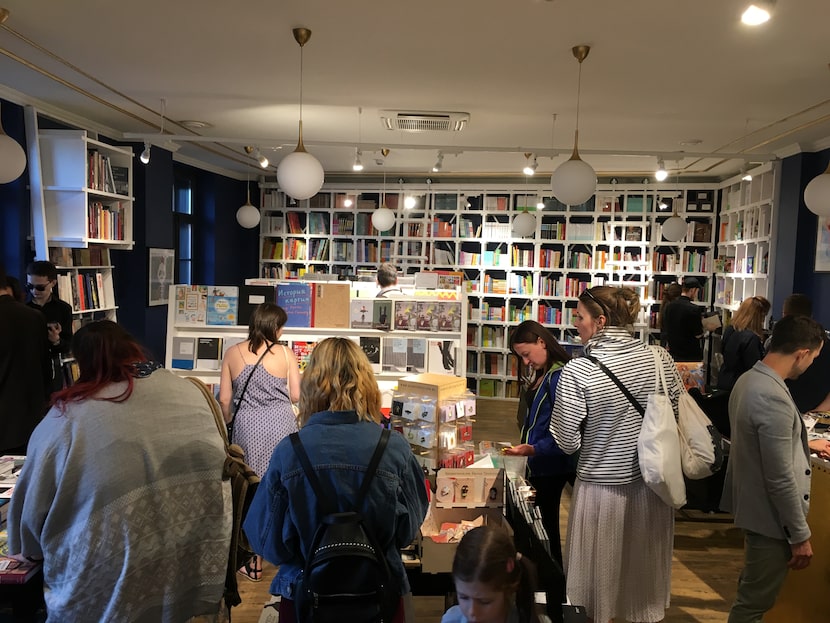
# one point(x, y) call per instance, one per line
point(574, 181)
point(247, 215)
point(817, 194)
point(674, 228)
point(383, 219)
point(524, 224)
point(299, 174)
point(12, 158)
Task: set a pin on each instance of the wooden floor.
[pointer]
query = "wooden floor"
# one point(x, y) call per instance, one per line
point(708, 552)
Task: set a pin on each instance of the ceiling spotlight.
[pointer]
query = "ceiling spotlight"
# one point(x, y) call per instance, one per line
point(757, 13)
point(746, 176)
point(661, 174)
point(530, 165)
point(347, 202)
point(439, 164)
point(145, 155)
point(262, 160)
point(358, 165)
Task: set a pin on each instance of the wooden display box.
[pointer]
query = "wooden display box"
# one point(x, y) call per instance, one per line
point(435, 386)
point(438, 557)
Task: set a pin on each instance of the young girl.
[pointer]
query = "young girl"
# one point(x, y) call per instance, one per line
point(494, 583)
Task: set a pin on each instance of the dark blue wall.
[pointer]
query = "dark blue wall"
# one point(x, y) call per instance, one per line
point(15, 217)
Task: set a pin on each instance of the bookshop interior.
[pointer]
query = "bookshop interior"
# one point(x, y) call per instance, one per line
point(680, 156)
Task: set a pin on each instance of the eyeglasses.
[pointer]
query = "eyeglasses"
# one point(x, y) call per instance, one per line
point(598, 302)
point(39, 287)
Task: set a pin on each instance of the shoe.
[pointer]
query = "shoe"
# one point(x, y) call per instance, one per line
point(252, 569)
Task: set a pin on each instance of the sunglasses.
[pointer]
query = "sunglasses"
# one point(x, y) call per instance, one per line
point(39, 287)
point(602, 306)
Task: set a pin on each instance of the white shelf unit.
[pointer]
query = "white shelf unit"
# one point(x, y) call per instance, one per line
point(611, 239)
point(87, 209)
point(387, 380)
point(745, 249)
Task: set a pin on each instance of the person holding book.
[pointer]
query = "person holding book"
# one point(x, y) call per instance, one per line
point(260, 381)
point(549, 468)
point(41, 278)
point(339, 420)
point(121, 494)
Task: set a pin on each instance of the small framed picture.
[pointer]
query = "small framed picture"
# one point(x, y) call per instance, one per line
point(822, 264)
point(161, 266)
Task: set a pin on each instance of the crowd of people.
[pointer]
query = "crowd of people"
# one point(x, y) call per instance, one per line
point(124, 468)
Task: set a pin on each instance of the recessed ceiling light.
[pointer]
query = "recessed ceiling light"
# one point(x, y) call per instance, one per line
point(691, 141)
point(193, 124)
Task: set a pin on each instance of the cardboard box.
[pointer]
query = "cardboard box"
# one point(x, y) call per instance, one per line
point(435, 386)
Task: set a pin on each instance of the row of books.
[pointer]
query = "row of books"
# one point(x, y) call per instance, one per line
point(405, 315)
point(92, 256)
point(83, 290)
point(106, 221)
point(103, 176)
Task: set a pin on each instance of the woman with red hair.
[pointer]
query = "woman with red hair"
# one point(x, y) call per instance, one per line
point(121, 494)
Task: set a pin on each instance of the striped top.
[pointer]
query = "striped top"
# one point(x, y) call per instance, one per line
point(592, 415)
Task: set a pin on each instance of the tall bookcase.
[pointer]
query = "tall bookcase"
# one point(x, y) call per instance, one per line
point(87, 209)
point(613, 238)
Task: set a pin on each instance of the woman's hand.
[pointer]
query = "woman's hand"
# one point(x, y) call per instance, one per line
point(821, 447)
point(523, 449)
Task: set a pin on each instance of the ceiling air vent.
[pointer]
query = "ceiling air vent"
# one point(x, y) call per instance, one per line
point(424, 121)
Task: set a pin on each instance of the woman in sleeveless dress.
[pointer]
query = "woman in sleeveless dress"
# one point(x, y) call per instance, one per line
point(260, 381)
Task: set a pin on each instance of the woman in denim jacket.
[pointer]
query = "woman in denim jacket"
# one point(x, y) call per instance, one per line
point(339, 414)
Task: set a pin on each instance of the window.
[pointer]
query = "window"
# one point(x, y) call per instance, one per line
point(183, 224)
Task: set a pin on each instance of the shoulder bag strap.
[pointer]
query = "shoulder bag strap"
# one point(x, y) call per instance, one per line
point(316, 486)
point(619, 384)
point(214, 407)
point(248, 380)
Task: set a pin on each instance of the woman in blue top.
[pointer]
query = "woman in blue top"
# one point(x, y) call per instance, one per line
point(548, 467)
point(339, 415)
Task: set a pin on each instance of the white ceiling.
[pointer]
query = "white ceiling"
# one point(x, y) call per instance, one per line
point(660, 73)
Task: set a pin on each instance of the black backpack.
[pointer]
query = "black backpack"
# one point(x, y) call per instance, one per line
point(346, 576)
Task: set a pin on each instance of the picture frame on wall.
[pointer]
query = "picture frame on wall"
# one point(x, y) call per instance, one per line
point(822, 264)
point(161, 267)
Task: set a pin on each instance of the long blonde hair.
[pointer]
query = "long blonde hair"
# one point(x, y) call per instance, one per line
point(339, 377)
point(751, 315)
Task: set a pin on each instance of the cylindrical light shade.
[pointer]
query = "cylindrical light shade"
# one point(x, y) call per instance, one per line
point(674, 228)
point(817, 194)
point(524, 224)
point(12, 158)
point(248, 216)
point(300, 175)
point(574, 182)
point(383, 219)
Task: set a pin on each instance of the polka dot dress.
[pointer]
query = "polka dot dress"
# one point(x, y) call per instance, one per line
point(265, 416)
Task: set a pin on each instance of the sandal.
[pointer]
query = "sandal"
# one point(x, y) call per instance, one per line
point(251, 570)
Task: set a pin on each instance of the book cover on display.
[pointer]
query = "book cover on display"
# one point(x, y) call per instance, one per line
point(382, 314)
point(191, 304)
point(222, 305)
point(297, 300)
point(360, 313)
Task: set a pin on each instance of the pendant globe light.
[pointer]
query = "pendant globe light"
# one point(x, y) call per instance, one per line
point(383, 219)
point(300, 174)
point(524, 223)
point(575, 181)
point(675, 227)
point(817, 194)
point(247, 215)
point(12, 158)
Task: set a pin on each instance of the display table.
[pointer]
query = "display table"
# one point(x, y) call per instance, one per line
point(802, 599)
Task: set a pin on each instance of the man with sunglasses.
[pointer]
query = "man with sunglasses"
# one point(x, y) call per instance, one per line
point(41, 278)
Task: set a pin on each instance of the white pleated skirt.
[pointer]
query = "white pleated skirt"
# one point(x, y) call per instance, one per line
point(618, 552)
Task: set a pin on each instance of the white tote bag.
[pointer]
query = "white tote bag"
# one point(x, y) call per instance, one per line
point(658, 444)
point(701, 451)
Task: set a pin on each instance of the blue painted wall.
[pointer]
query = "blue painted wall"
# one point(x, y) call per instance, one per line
point(15, 216)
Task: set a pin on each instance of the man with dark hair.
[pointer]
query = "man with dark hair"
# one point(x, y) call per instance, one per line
point(387, 278)
point(767, 485)
point(41, 278)
point(24, 370)
point(683, 325)
point(811, 390)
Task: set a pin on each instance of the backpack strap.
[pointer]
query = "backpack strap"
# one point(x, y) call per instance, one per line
point(326, 503)
point(618, 383)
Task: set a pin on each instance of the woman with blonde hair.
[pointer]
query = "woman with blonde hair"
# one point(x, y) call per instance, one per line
point(742, 343)
point(339, 430)
point(620, 533)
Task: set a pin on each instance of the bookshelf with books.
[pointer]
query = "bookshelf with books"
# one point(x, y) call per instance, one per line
point(745, 247)
point(614, 238)
point(433, 340)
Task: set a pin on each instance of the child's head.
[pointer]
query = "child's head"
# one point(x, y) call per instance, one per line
point(488, 573)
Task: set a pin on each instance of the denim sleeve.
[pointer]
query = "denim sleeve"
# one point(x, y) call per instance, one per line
point(268, 523)
point(412, 501)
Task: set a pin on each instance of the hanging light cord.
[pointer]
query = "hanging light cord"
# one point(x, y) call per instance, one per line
point(301, 86)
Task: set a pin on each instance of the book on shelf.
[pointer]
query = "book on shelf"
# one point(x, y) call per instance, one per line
point(297, 300)
point(371, 346)
point(184, 353)
point(209, 353)
point(331, 305)
point(701, 231)
point(382, 314)
point(121, 179)
point(229, 342)
point(302, 351)
point(191, 304)
point(222, 305)
point(360, 313)
point(250, 297)
point(441, 356)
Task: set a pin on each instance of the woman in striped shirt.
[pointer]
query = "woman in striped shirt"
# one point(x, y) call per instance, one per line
point(620, 533)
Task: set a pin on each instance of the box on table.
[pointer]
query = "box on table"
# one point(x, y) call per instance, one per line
point(438, 557)
point(435, 386)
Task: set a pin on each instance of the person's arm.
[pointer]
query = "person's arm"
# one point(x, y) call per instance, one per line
point(544, 400)
point(802, 555)
point(569, 410)
point(293, 375)
point(771, 415)
point(752, 352)
point(412, 496)
point(226, 386)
